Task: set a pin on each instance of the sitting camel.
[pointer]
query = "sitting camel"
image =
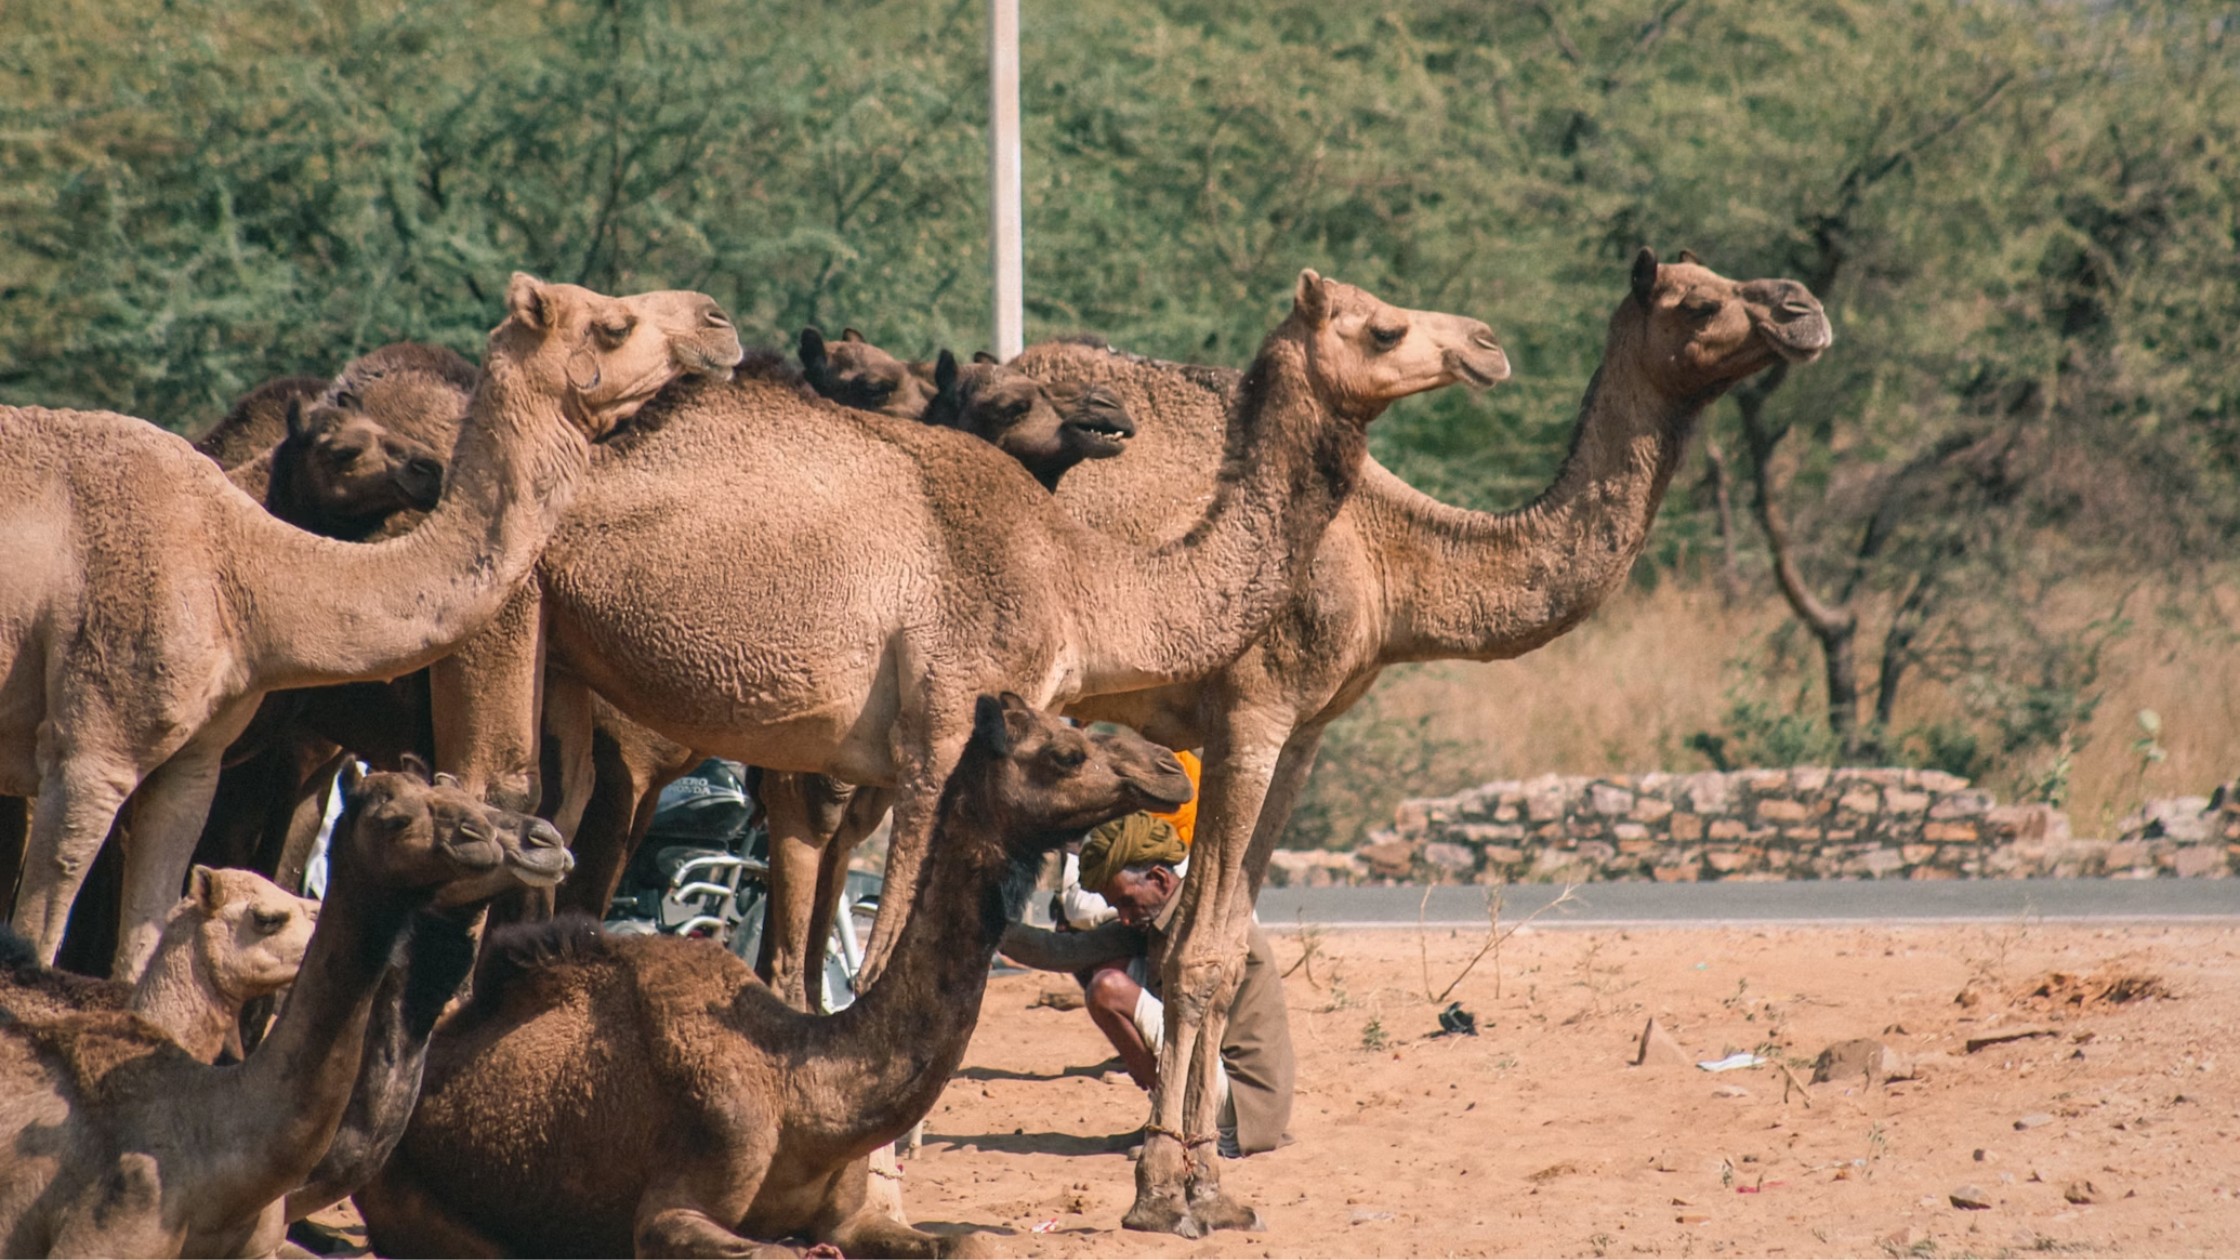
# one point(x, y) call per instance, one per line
point(609, 1095)
point(138, 640)
point(122, 1144)
point(234, 937)
point(437, 955)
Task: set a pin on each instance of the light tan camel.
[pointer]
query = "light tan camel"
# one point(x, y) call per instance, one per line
point(1398, 577)
point(616, 1095)
point(235, 936)
point(158, 603)
point(909, 568)
point(121, 1144)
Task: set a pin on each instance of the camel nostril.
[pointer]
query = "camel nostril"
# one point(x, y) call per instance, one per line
point(1485, 340)
point(543, 835)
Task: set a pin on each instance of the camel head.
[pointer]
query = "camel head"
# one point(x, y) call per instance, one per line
point(420, 832)
point(353, 468)
point(855, 373)
point(604, 357)
point(249, 933)
point(1047, 781)
point(1363, 354)
point(1047, 428)
point(1699, 332)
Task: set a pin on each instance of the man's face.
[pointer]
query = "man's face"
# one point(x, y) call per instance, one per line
point(1139, 896)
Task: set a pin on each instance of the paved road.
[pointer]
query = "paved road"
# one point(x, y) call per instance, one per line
point(1798, 901)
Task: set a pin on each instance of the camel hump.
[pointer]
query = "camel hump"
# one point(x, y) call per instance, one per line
point(519, 950)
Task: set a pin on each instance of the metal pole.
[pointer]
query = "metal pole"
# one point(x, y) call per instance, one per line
point(1007, 258)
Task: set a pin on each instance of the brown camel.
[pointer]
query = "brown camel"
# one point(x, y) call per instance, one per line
point(609, 1095)
point(163, 602)
point(859, 375)
point(122, 1144)
point(1398, 577)
point(339, 473)
point(235, 936)
point(438, 954)
point(915, 568)
point(256, 420)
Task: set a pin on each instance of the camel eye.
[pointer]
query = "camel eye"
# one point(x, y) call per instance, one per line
point(268, 921)
point(344, 456)
point(1387, 338)
point(615, 333)
point(1700, 309)
point(1068, 758)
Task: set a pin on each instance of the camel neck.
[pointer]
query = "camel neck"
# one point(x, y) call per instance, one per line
point(334, 612)
point(876, 1068)
point(177, 994)
point(1493, 585)
point(280, 1108)
point(1181, 609)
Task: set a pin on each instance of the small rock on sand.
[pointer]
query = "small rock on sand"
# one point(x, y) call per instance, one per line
point(1861, 1056)
point(1658, 1049)
point(1730, 1091)
point(2081, 1192)
point(1969, 1198)
point(2034, 1120)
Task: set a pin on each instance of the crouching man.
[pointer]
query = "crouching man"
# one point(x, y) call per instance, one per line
point(1133, 863)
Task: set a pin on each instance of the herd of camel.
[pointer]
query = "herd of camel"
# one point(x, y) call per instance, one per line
point(618, 545)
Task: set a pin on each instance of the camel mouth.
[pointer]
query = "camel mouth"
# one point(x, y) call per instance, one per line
point(541, 868)
point(1481, 367)
point(475, 852)
point(1800, 339)
point(1099, 439)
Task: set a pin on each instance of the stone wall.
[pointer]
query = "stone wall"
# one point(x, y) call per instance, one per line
point(1801, 823)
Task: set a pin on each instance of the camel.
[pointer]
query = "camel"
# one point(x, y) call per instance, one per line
point(1398, 577)
point(160, 603)
point(123, 1144)
point(907, 568)
point(437, 956)
point(235, 936)
point(694, 1113)
point(256, 420)
point(859, 375)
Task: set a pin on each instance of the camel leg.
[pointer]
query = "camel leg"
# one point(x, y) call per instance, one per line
point(689, 1211)
point(166, 822)
point(866, 808)
point(858, 1225)
point(568, 725)
point(1212, 1207)
point(308, 810)
point(1208, 952)
point(78, 801)
point(626, 783)
point(487, 700)
point(925, 765)
point(403, 1219)
point(790, 805)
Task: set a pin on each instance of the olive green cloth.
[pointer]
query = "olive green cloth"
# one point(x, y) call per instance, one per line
point(1256, 1042)
point(1123, 842)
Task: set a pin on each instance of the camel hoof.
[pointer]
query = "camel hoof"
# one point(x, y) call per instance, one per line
point(1162, 1216)
point(1219, 1211)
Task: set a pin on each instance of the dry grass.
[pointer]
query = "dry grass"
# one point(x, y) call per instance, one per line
point(1623, 693)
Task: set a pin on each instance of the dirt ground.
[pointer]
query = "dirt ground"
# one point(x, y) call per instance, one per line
point(2119, 1133)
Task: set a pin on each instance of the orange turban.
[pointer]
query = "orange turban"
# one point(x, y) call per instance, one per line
point(1184, 817)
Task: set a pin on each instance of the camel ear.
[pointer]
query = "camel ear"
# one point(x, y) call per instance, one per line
point(202, 886)
point(527, 302)
point(411, 764)
point(947, 407)
point(812, 351)
point(446, 780)
point(850, 334)
point(297, 427)
point(982, 356)
point(1689, 256)
point(1312, 299)
point(352, 777)
point(988, 725)
point(1644, 275)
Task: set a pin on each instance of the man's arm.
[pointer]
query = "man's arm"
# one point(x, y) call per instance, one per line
point(1045, 950)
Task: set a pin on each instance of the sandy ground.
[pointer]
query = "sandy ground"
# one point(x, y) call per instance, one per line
point(2119, 1133)
point(1537, 1138)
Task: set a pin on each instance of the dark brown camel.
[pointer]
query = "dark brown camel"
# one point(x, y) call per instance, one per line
point(693, 1113)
